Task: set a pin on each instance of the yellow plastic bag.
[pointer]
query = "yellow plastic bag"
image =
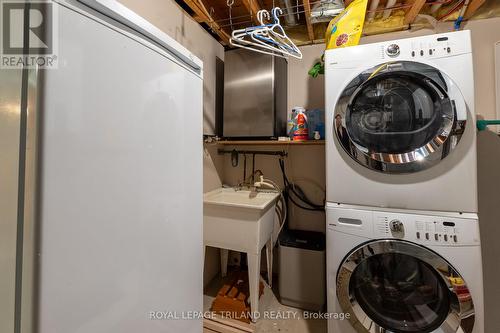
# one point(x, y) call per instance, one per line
point(345, 29)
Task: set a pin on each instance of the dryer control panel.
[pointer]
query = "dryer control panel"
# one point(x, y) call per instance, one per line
point(424, 229)
point(421, 48)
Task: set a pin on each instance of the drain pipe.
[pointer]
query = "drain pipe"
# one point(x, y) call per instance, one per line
point(290, 18)
point(387, 12)
point(372, 10)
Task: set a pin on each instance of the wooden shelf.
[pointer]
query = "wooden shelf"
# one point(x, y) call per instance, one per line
point(269, 143)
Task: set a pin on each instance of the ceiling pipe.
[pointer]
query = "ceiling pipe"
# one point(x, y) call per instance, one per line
point(387, 12)
point(372, 10)
point(435, 7)
point(290, 18)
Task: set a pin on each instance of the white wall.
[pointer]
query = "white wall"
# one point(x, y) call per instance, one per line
point(169, 17)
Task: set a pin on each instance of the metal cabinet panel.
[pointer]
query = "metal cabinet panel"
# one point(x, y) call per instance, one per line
point(254, 95)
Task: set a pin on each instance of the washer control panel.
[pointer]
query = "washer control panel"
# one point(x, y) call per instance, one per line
point(424, 229)
point(438, 231)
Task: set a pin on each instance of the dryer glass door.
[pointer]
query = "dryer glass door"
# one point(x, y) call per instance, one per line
point(400, 117)
point(398, 286)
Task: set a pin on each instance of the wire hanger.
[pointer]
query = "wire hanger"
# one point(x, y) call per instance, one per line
point(230, 4)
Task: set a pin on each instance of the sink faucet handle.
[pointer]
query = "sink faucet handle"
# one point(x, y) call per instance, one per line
point(260, 182)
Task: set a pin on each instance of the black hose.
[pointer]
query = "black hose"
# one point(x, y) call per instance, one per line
point(293, 189)
point(306, 208)
point(302, 196)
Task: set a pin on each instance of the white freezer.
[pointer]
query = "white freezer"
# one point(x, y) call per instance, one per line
point(121, 180)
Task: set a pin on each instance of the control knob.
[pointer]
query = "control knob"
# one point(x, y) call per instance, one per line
point(397, 228)
point(393, 50)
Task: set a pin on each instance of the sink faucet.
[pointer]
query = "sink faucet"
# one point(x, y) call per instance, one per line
point(253, 191)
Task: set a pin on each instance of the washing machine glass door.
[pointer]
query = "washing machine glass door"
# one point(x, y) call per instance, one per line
point(398, 286)
point(400, 117)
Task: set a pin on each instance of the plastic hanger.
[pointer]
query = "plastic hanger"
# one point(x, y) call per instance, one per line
point(238, 37)
point(264, 35)
point(277, 37)
point(266, 38)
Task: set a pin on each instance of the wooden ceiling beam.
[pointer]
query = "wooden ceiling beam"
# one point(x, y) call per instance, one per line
point(202, 16)
point(412, 13)
point(473, 6)
point(252, 7)
point(307, 13)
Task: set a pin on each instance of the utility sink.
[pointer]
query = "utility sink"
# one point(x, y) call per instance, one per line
point(232, 197)
point(241, 220)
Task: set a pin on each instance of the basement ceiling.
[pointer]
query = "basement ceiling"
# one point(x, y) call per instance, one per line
point(220, 17)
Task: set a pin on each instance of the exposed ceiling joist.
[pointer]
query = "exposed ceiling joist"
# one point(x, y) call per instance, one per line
point(213, 15)
point(307, 13)
point(202, 15)
point(473, 6)
point(253, 7)
point(412, 13)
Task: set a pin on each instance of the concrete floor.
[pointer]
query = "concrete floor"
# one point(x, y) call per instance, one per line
point(275, 317)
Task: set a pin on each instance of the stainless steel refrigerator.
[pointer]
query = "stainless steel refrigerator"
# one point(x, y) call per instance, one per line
point(101, 180)
point(255, 95)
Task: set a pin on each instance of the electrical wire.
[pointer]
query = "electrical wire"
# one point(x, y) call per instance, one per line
point(454, 8)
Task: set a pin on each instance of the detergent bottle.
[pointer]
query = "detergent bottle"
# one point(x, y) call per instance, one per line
point(300, 130)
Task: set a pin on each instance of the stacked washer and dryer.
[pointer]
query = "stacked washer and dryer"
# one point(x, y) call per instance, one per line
point(403, 245)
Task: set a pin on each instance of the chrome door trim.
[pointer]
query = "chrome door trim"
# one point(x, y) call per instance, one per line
point(423, 157)
point(460, 317)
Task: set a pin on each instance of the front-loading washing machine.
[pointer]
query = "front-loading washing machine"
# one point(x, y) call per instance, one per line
point(395, 271)
point(400, 124)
